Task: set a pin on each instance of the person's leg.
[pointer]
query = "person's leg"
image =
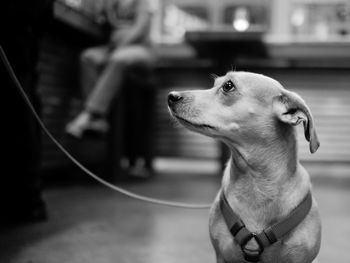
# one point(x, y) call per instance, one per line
point(92, 61)
point(109, 84)
point(107, 88)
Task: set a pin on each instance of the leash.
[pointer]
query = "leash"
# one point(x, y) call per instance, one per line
point(77, 163)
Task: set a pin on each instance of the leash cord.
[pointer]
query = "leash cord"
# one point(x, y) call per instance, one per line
point(77, 163)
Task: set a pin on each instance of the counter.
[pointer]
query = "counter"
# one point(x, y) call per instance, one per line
point(319, 71)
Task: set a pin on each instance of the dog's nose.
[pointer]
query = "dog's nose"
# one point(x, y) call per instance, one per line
point(174, 97)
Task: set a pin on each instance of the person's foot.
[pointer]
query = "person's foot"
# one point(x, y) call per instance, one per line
point(86, 122)
point(139, 170)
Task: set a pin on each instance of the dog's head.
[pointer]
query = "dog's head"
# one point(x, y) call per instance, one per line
point(243, 107)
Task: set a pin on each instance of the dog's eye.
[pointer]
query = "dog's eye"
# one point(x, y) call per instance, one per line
point(228, 86)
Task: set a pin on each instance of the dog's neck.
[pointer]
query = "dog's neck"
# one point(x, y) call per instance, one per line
point(265, 182)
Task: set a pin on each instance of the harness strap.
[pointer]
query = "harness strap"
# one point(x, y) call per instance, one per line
point(268, 236)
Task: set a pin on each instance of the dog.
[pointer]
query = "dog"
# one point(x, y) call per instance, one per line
point(263, 182)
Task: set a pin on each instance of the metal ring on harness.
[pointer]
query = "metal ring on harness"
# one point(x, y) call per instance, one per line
point(242, 237)
point(253, 255)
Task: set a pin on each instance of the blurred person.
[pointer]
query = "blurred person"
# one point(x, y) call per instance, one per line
point(22, 24)
point(103, 67)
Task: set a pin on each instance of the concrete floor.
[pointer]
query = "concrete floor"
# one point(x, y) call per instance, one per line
point(89, 223)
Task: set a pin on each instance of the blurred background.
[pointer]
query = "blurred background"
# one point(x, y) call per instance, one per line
point(305, 44)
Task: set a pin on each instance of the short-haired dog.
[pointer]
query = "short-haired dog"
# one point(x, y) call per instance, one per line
point(263, 182)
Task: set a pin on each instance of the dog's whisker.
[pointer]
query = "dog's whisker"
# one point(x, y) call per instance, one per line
point(233, 67)
point(174, 122)
point(213, 76)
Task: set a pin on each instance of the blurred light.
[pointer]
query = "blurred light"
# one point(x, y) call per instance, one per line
point(322, 30)
point(178, 21)
point(74, 3)
point(298, 17)
point(241, 19)
point(241, 24)
point(174, 21)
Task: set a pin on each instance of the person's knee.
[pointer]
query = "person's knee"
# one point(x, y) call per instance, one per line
point(127, 61)
point(120, 60)
point(92, 55)
point(86, 56)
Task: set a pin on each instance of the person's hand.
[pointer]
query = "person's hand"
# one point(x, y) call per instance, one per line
point(114, 38)
point(118, 37)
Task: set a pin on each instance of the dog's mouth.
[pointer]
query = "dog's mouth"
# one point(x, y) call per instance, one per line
point(195, 125)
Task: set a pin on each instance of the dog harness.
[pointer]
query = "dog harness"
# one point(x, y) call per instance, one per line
point(268, 236)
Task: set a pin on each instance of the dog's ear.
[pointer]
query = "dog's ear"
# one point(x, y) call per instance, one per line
point(292, 109)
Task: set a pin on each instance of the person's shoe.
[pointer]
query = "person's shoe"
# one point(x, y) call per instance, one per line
point(139, 170)
point(85, 123)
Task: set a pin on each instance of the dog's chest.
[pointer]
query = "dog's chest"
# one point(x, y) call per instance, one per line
point(226, 247)
point(231, 252)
